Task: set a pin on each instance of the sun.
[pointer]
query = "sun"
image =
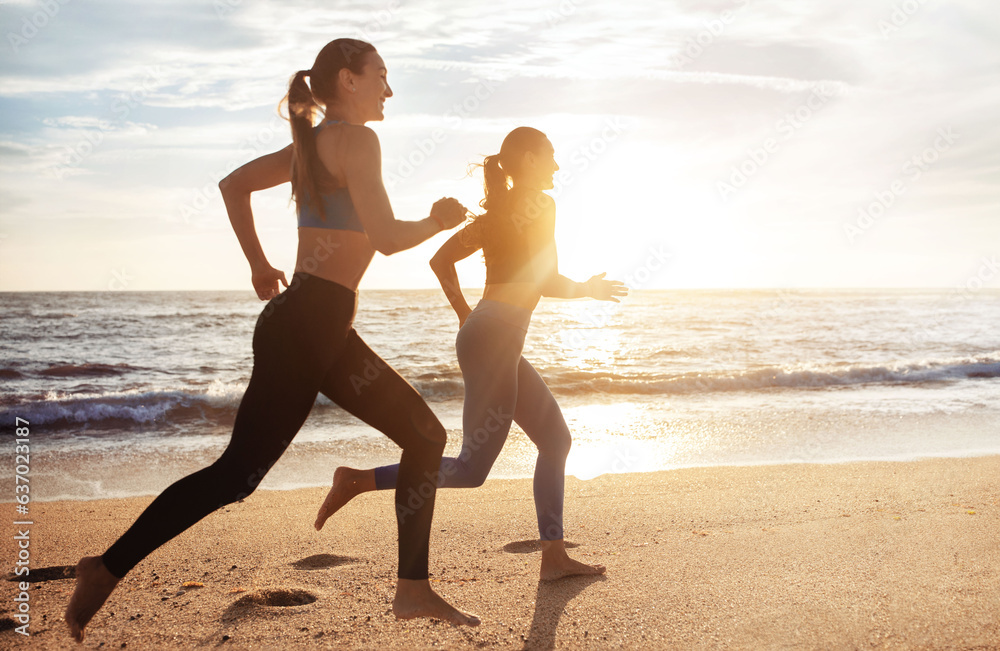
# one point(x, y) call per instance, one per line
point(632, 208)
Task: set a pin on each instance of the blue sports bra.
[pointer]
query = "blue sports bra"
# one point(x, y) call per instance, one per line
point(337, 207)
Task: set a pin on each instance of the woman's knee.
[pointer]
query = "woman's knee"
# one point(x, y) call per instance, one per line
point(558, 443)
point(232, 481)
point(476, 473)
point(464, 471)
point(432, 435)
point(479, 478)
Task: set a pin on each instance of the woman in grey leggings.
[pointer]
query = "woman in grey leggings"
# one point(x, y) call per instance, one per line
point(516, 235)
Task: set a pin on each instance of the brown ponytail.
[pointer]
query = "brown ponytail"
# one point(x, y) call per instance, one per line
point(306, 101)
point(494, 184)
point(302, 108)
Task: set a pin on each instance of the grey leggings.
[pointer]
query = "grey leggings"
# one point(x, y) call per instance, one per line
point(500, 385)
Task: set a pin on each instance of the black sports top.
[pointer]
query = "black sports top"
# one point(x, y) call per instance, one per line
point(510, 239)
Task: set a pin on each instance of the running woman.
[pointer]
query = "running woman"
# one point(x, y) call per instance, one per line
point(304, 342)
point(517, 236)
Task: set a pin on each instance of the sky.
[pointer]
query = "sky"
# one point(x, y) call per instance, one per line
point(730, 144)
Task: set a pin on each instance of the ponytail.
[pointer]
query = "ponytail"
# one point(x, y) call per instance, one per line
point(302, 107)
point(307, 100)
point(494, 184)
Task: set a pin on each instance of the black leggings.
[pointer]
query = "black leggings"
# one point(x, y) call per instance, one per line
point(304, 344)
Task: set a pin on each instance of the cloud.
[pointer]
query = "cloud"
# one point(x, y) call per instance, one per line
point(141, 111)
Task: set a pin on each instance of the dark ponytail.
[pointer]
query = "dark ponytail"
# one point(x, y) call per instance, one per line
point(307, 100)
point(302, 108)
point(494, 184)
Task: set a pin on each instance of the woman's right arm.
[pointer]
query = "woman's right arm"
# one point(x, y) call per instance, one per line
point(364, 182)
point(259, 174)
point(458, 247)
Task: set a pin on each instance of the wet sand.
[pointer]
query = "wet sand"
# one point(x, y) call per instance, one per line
point(882, 555)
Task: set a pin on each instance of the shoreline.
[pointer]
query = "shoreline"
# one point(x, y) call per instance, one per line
point(522, 476)
point(884, 554)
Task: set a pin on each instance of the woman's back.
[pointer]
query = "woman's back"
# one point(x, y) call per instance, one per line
point(515, 240)
point(334, 245)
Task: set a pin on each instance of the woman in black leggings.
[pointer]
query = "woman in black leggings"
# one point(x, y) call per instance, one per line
point(304, 342)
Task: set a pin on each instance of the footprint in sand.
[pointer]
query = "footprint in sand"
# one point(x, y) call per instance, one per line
point(529, 546)
point(42, 574)
point(322, 561)
point(275, 598)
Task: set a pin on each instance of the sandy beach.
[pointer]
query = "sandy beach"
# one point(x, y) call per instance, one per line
point(881, 555)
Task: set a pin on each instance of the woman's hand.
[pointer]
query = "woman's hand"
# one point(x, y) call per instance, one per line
point(449, 212)
point(265, 282)
point(605, 290)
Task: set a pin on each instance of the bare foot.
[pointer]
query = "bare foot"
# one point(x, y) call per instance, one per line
point(348, 483)
point(94, 584)
point(417, 599)
point(557, 564)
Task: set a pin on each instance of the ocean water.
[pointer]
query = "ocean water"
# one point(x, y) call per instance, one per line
point(126, 392)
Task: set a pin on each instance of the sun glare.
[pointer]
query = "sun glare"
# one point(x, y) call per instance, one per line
point(587, 342)
point(601, 445)
point(622, 212)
